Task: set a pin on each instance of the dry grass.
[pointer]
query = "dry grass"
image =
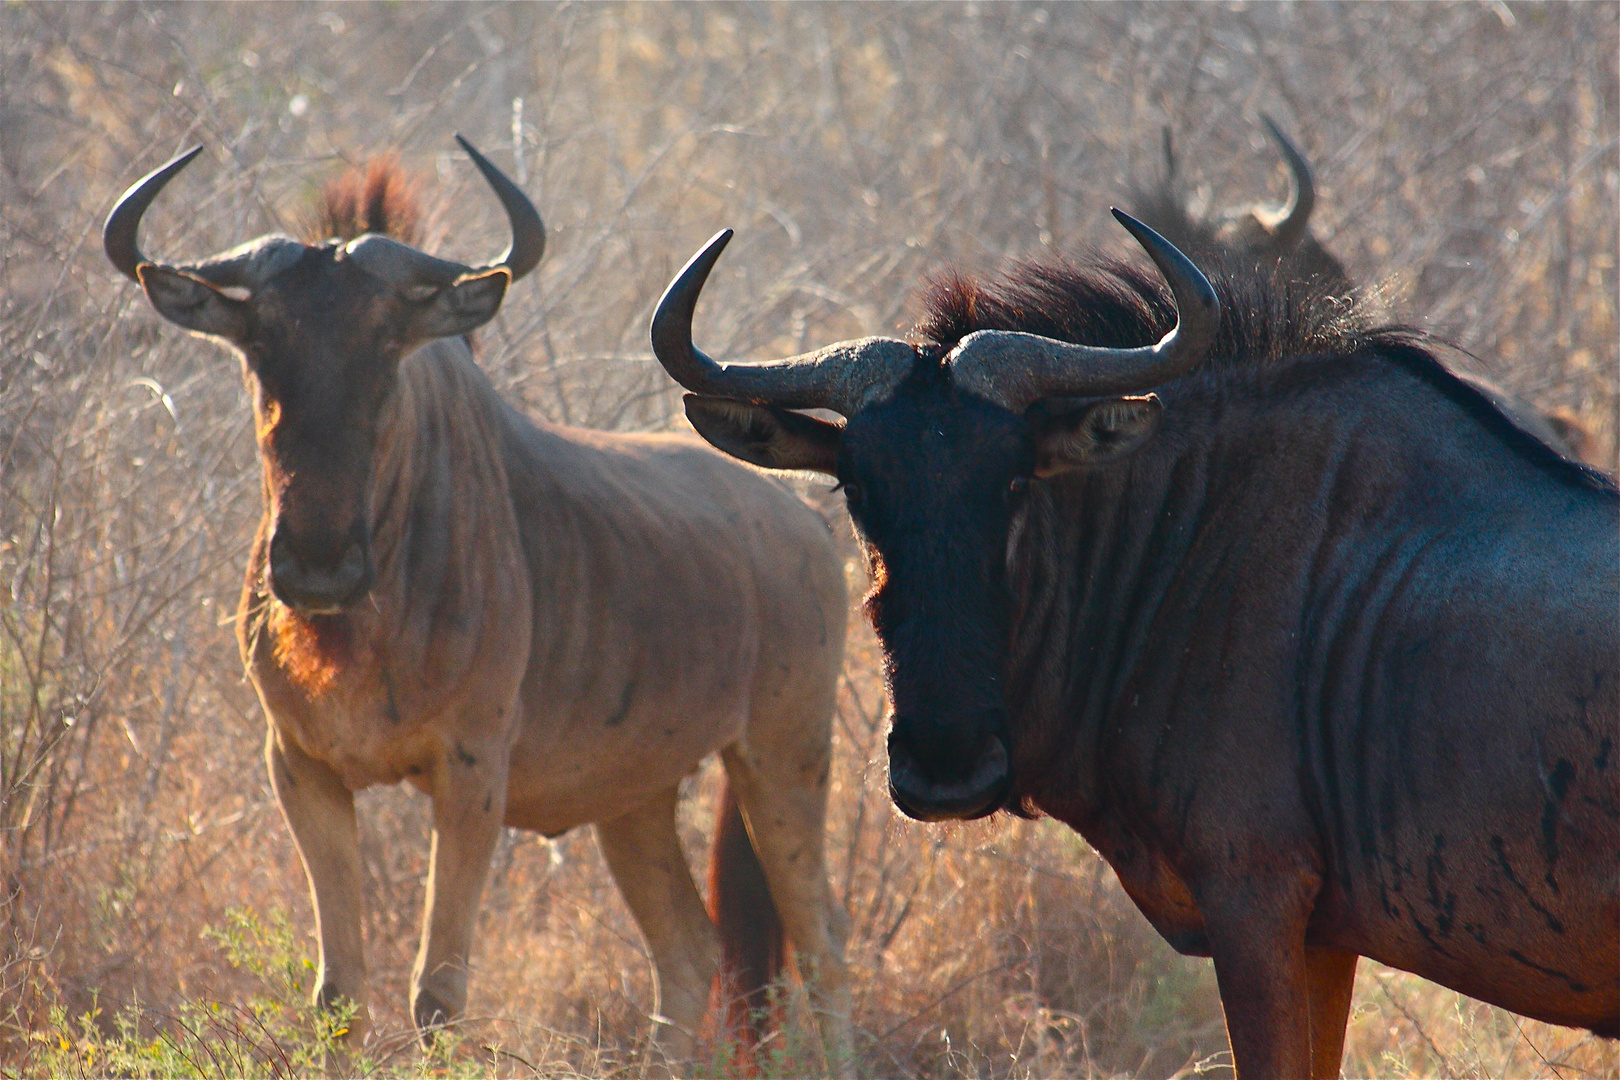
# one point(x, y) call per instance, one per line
point(1467, 162)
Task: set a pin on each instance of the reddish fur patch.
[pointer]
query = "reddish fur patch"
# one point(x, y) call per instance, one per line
point(311, 649)
point(380, 197)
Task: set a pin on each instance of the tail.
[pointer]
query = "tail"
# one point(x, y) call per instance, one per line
point(751, 935)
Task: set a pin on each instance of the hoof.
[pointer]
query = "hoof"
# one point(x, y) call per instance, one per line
point(430, 1014)
point(330, 999)
point(327, 997)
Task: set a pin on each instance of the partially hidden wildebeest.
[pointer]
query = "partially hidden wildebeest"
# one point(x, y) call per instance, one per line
point(1296, 628)
point(1279, 242)
point(537, 626)
point(1252, 235)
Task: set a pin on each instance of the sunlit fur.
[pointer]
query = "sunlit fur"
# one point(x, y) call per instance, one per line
point(312, 649)
point(379, 198)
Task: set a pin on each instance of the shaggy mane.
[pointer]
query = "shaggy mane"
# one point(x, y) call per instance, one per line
point(1266, 319)
point(1102, 300)
point(378, 197)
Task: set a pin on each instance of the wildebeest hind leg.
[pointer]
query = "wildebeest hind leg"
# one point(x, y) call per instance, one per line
point(644, 854)
point(320, 814)
point(1330, 981)
point(784, 797)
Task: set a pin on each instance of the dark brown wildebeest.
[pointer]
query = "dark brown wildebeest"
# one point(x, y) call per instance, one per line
point(1257, 236)
point(1280, 242)
point(535, 625)
point(1316, 647)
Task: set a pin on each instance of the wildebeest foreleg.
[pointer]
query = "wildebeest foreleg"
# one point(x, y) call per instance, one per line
point(469, 804)
point(320, 813)
point(1256, 929)
point(644, 853)
point(1330, 980)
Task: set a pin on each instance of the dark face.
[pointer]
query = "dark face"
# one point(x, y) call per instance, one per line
point(934, 478)
point(321, 359)
point(942, 442)
point(321, 340)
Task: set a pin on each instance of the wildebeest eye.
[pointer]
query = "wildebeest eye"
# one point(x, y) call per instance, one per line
point(1019, 485)
point(852, 491)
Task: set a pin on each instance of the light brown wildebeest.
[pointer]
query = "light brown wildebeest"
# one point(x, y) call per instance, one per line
point(1314, 646)
point(537, 626)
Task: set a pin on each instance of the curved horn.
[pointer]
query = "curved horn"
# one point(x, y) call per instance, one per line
point(845, 377)
point(118, 236)
point(1288, 222)
point(528, 231)
point(406, 267)
point(1014, 370)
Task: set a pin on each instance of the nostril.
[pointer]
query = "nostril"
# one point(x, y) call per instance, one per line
point(353, 564)
point(283, 562)
point(946, 743)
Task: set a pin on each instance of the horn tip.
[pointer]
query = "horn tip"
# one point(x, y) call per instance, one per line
point(472, 152)
point(1278, 135)
point(1289, 148)
point(478, 159)
point(1125, 219)
point(118, 232)
point(1165, 254)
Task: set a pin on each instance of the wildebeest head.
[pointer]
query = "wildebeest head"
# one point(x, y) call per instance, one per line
point(934, 460)
point(1259, 235)
point(322, 328)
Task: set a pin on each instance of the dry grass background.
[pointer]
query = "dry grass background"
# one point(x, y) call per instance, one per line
point(1467, 163)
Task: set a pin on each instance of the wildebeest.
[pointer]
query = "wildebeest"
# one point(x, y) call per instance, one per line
point(537, 626)
point(1280, 242)
point(1254, 235)
point(1308, 640)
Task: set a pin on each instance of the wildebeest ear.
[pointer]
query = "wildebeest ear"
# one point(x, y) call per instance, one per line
point(1095, 434)
point(769, 437)
point(461, 308)
point(192, 302)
